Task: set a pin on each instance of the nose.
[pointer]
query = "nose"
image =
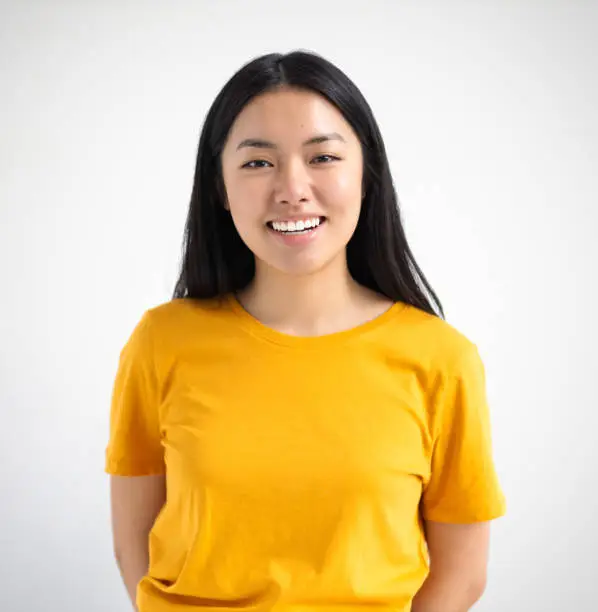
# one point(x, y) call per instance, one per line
point(292, 184)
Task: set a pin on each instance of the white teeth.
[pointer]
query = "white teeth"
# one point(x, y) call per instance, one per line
point(299, 226)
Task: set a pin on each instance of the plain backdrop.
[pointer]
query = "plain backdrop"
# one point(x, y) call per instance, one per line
point(488, 111)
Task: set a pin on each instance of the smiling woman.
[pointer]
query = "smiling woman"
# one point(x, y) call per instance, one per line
point(299, 429)
point(291, 157)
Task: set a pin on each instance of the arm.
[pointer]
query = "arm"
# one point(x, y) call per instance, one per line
point(458, 564)
point(135, 504)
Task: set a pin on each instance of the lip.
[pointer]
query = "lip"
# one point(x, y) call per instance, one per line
point(296, 240)
point(303, 217)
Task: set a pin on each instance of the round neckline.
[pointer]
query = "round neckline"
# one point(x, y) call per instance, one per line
point(259, 329)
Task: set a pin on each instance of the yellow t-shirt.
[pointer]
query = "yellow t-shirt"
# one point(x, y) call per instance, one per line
point(298, 469)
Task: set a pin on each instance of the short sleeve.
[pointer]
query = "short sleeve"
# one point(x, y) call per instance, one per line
point(134, 445)
point(463, 485)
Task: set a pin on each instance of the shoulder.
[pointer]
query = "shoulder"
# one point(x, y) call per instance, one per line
point(176, 321)
point(434, 342)
point(180, 310)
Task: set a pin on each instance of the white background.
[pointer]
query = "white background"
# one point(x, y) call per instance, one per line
point(488, 110)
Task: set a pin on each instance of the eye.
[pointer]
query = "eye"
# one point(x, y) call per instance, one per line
point(256, 163)
point(324, 159)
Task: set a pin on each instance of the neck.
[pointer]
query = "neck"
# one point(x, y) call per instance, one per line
point(307, 305)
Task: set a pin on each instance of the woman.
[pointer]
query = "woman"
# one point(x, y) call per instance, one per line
point(299, 428)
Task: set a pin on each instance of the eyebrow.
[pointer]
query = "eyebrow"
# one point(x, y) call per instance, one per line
point(266, 144)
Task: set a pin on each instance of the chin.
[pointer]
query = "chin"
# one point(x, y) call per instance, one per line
point(301, 266)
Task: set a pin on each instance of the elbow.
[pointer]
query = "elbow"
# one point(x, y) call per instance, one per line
point(122, 553)
point(118, 555)
point(449, 592)
point(477, 588)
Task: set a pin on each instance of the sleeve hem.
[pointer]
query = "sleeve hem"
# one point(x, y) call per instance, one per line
point(118, 469)
point(464, 518)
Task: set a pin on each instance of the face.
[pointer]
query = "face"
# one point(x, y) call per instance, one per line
point(292, 169)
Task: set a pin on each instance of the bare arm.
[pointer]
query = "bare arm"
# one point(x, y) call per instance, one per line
point(135, 504)
point(458, 564)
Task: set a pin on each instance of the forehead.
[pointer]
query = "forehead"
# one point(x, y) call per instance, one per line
point(288, 116)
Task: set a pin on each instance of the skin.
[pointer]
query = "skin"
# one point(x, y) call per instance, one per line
point(292, 177)
point(135, 504)
point(307, 289)
point(458, 567)
point(274, 169)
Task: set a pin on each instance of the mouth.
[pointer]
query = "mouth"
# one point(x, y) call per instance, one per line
point(296, 227)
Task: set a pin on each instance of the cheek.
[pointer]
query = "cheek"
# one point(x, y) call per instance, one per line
point(343, 194)
point(244, 216)
point(246, 203)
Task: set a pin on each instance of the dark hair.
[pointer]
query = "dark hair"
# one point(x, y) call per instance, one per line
point(215, 260)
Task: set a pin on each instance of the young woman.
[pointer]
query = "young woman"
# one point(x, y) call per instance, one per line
point(299, 429)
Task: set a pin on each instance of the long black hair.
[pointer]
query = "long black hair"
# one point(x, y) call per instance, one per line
point(215, 260)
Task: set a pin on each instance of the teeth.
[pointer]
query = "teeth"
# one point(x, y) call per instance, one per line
point(292, 226)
